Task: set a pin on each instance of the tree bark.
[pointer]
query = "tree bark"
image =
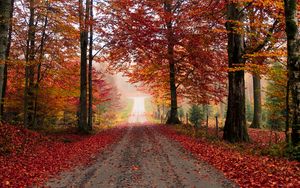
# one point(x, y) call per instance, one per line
point(256, 122)
point(235, 129)
point(5, 9)
point(173, 118)
point(293, 62)
point(2, 115)
point(90, 113)
point(29, 70)
point(41, 56)
point(287, 114)
point(83, 19)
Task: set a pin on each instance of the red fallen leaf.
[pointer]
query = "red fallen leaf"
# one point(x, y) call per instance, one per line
point(135, 168)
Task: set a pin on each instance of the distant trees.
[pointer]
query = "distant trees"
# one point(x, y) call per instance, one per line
point(257, 114)
point(249, 110)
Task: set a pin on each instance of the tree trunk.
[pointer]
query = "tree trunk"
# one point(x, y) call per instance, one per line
point(217, 127)
point(235, 129)
point(29, 70)
point(207, 122)
point(293, 48)
point(287, 114)
point(173, 118)
point(157, 113)
point(5, 9)
point(6, 60)
point(83, 18)
point(256, 122)
point(90, 115)
point(41, 56)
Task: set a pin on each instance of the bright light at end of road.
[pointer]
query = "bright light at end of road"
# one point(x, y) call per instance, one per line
point(138, 114)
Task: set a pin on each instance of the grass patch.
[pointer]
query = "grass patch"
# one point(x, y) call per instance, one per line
point(277, 150)
point(126, 111)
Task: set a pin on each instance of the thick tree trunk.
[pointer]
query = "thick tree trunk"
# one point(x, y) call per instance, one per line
point(5, 9)
point(90, 114)
point(256, 122)
point(293, 47)
point(235, 129)
point(29, 70)
point(2, 115)
point(83, 65)
point(173, 118)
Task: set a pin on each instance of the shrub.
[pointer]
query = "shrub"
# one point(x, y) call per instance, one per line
point(196, 115)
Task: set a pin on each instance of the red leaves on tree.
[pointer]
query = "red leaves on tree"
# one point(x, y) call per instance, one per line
point(140, 41)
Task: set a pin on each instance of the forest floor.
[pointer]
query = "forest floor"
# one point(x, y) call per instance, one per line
point(138, 155)
point(161, 156)
point(144, 157)
point(29, 158)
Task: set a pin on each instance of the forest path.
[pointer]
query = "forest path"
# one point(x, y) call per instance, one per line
point(143, 158)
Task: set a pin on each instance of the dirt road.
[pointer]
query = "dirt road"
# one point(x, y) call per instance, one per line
point(143, 158)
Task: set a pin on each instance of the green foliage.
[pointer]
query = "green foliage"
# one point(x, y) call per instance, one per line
point(275, 150)
point(294, 152)
point(207, 110)
point(264, 114)
point(196, 115)
point(276, 97)
point(180, 113)
point(282, 150)
point(125, 113)
point(149, 108)
point(108, 114)
point(249, 110)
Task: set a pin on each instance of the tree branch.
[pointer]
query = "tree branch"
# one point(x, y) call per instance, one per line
point(186, 77)
point(266, 40)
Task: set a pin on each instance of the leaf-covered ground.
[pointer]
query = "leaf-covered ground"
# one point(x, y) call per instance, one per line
point(260, 137)
point(260, 140)
point(29, 158)
point(245, 169)
point(144, 158)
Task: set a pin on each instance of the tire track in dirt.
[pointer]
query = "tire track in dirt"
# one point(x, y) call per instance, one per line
point(144, 158)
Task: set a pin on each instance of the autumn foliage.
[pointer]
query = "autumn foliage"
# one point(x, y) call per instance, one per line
point(177, 50)
point(139, 43)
